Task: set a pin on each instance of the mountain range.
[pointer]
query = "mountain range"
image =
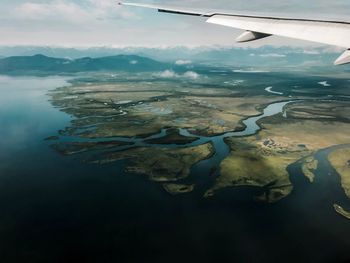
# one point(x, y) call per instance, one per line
point(43, 64)
point(218, 55)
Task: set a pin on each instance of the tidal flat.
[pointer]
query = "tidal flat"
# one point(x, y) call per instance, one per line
point(166, 129)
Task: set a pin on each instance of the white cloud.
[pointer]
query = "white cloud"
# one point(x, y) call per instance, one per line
point(191, 75)
point(324, 83)
point(167, 74)
point(183, 62)
point(104, 22)
point(311, 52)
point(272, 55)
point(57, 10)
point(68, 11)
point(170, 74)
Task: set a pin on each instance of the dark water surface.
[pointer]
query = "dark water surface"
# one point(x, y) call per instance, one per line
point(58, 209)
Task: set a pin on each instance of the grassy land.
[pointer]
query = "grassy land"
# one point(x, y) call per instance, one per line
point(161, 164)
point(136, 109)
point(340, 160)
point(254, 164)
point(262, 160)
point(309, 166)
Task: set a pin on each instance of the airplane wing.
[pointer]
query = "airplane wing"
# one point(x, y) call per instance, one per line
point(330, 32)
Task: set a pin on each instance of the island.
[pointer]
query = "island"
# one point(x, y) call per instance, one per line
point(341, 211)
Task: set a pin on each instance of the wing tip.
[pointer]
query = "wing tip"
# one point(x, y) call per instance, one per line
point(343, 59)
point(248, 36)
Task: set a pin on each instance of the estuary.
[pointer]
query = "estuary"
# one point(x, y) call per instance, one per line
point(114, 171)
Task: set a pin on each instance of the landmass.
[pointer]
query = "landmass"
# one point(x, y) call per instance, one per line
point(137, 108)
point(262, 160)
point(309, 165)
point(262, 163)
point(160, 164)
point(70, 148)
point(340, 160)
point(176, 189)
point(148, 109)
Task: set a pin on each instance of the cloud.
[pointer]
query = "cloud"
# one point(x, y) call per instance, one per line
point(103, 22)
point(166, 74)
point(170, 74)
point(60, 10)
point(311, 52)
point(272, 55)
point(69, 11)
point(183, 62)
point(191, 75)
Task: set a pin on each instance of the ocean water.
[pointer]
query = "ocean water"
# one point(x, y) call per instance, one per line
point(55, 208)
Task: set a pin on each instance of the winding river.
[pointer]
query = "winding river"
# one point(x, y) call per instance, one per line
point(203, 173)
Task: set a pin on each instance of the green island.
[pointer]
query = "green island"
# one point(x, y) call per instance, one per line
point(340, 210)
point(161, 164)
point(176, 189)
point(340, 160)
point(309, 165)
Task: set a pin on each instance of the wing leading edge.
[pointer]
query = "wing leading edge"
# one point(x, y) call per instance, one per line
point(336, 33)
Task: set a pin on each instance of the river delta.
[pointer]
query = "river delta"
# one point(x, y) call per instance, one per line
point(228, 127)
point(216, 164)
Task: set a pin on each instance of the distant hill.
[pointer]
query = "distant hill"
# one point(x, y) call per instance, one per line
point(265, 56)
point(43, 64)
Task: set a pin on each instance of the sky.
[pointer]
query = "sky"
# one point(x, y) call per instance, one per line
point(87, 23)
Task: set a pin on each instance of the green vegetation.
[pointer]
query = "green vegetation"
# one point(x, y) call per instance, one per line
point(321, 110)
point(262, 160)
point(256, 163)
point(161, 164)
point(141, 109)
point(69, 148)
point(340, 160)
point(176, 189)
point(309, 165)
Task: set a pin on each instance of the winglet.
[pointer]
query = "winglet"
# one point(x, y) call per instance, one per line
point(343, 59)
point(251, 36)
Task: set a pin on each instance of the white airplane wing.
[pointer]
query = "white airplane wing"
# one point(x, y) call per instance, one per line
point(331, 32)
